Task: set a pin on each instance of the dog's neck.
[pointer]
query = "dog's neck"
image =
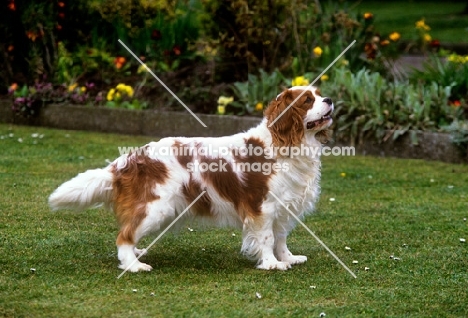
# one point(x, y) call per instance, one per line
point(263, 132)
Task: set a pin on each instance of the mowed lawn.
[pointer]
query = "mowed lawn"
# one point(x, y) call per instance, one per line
point(446, 20)
point(412, 210)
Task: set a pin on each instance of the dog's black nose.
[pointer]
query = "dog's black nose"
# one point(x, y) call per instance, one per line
point(328, 100)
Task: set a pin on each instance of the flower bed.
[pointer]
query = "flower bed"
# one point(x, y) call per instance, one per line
point(227, 64)
point(431, 146)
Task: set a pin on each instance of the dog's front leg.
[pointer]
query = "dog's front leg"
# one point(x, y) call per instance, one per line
point(283, 253)
point(259, 242)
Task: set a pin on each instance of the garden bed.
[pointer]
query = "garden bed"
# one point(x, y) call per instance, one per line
point(431, 145)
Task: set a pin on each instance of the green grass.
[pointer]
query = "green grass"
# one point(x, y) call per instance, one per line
point(445, 18)
point(380, 205)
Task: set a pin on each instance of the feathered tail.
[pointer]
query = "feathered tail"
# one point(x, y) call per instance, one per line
point(87, 190)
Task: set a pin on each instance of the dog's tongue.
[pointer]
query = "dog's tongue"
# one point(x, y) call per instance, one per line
point(312, 124)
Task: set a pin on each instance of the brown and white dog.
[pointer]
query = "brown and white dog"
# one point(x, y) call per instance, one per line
point(148, 188)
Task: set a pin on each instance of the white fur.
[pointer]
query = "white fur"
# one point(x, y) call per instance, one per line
point(264, 238)
point(88, 189)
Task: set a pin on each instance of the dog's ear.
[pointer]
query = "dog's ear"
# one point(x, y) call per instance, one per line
point(287, 130)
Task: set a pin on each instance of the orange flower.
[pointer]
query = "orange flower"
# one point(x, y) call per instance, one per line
point(12, 6)
point(368, 15)
point(385, 43)
point(61, 4)
point(119, 61)
point(10, 48)
point(456, 103)
point(31, 35)
point(13, 87)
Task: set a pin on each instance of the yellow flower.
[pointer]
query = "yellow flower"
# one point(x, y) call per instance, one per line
point(324, 78)
point(221, 109)
point(427, 37)
point(343, 174)
point(345, 62)
point(125, 89)
point(83, 89)
point(455, 58)
point(129, 91)
point(224, 100)
point(421, 24)
point(317, 51)
point(259, 107)
point(110, 94)
point(300, 81)
point(72, 87)
point(142, 69)
point(395, 36)
point(368, 15)
point(117, 95)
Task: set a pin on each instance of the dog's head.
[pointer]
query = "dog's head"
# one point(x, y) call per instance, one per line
point(298, 111)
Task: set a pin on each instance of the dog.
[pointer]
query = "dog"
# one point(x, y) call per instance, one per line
point(241, 177)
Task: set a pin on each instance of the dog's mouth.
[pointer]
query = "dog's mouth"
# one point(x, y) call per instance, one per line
point(316, 123)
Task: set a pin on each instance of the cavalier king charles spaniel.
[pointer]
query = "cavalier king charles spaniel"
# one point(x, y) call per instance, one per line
point(151, 186)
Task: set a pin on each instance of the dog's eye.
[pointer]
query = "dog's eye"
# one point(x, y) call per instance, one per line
point(308, 100)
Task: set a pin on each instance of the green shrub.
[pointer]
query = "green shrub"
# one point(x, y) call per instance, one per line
point(255, 94)
point(451, 70)
point(294, 37)
point(459, 131)
point(157, 30)
point(367, 104)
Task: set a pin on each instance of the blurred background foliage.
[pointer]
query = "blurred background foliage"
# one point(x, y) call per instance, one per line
point(246, 51)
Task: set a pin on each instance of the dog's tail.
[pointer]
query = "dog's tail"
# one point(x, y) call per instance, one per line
point(89, 189)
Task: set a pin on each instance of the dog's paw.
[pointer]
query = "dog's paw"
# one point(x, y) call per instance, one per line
point(295, 259)
point(139, 252)
point(136, 267)
point(269, 265)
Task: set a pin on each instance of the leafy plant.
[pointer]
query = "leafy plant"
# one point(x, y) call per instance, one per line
point(254, 94)
point(297, 37)
point(159, 30)
point(459, 131)
point(85, 61)
point(367, 104)
point(452, 70)
point(28, 100)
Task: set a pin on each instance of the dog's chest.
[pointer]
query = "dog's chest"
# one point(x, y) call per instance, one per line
point(300, 186)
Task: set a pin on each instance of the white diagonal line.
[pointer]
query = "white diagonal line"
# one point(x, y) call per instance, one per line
point(162, 83)
point(162, 233)
point(315, 80)
point(315, 236)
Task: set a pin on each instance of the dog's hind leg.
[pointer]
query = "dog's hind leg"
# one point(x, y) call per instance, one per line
point(126, 253)
point(159, 214)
